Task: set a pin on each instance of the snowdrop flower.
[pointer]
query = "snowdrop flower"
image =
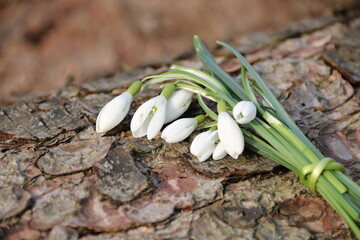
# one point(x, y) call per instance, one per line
point(116, 110)
point(204, 144)
point(229, 131)
point(219, 152)
point(149, 118)
point(177, 104)
point(244, 112)
point(179, 130)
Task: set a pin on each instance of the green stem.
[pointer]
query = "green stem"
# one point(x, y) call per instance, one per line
point(178, 75)
point(196, 89)
point(296, 157)
point(200, 118)
point(208, 125)
point(203, 76)
point(293, 139)
point(249, 91)
point(338, 204)
point(353, 188)
point(221, 107)
point(276, 143)
point(265, 149)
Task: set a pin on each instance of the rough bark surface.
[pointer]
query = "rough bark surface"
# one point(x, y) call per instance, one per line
point(61, 180)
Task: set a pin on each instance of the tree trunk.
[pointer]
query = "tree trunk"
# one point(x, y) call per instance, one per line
point(59, 179)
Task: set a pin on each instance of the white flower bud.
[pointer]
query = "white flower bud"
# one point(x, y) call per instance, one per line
point(177, 104)
point(179, 130)
point(230, 135)
point(244, 112)
point(113, 112)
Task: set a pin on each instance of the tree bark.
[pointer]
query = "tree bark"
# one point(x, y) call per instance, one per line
point(59, 179)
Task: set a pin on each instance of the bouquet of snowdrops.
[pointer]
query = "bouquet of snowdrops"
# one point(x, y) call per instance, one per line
point(247, 113)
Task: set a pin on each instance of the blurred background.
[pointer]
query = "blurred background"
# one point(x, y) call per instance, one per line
point(44, 44)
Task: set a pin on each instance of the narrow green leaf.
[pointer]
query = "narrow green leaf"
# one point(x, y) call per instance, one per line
point(208, 111)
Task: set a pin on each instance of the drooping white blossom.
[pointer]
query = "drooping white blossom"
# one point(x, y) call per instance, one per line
point(113, 112)
point(204, 144)
point(177, 104)
point(230, 135)
point(179, 130)
point(244, 112)
point(149, 118)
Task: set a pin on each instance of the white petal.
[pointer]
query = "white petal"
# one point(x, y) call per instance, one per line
point(141, 114)
point(158, 119)
point(206, 154)
point(194, 147)
point(213, 136)
point(177, 104)
point(197, 143)
point(219, 152)
point(113, 112)
point(230, 135)
point(141, 131)
point(179, 130)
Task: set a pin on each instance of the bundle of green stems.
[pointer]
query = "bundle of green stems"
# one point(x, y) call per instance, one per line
point(272, 133)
